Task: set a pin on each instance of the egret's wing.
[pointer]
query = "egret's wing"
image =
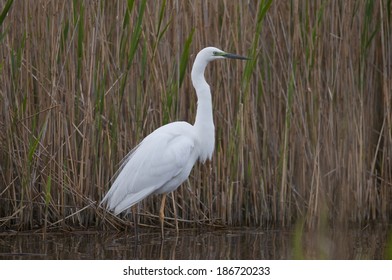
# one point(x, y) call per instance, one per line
point(156, 161)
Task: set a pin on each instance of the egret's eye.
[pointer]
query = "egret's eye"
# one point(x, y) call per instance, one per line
point(215, 53)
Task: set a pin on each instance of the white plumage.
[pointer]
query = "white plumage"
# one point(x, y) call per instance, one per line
point(164, 159)
point(159, 164)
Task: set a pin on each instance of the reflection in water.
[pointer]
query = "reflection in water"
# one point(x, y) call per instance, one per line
point(191, 244)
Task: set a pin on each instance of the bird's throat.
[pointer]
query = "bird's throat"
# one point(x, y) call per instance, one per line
point(204, 125)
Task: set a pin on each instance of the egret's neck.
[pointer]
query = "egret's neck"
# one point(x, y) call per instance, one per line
point(204, 122)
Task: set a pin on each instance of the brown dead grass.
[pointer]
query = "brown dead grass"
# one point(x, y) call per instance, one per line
point(304, 130)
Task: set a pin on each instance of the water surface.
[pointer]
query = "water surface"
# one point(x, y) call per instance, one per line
point(197, 244)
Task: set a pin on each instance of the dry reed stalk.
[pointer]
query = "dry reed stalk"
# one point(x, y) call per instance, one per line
point(303, 131)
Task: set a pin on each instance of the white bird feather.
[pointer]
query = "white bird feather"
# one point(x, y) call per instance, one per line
point(164, 159)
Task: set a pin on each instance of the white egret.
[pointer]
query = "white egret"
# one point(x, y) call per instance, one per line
point(164, 159)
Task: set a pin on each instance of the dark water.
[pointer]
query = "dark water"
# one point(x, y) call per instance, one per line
point(199, 244)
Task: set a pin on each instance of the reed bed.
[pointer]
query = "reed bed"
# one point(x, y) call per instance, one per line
point(303, 130)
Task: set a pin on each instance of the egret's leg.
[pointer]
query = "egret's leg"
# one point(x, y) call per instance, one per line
point(162, 212)
point(135, 221)
point(175, 212)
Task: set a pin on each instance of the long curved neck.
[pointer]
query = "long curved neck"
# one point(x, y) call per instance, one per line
point(204, 123)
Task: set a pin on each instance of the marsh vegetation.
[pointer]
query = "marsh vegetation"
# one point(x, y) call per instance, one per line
point(303, 130)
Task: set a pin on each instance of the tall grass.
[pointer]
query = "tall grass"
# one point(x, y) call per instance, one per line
point(303, 130)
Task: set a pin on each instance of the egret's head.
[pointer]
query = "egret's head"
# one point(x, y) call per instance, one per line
point(204, 57)
point(212, 53)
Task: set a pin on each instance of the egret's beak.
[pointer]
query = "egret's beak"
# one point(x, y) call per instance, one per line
point(235, 56)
